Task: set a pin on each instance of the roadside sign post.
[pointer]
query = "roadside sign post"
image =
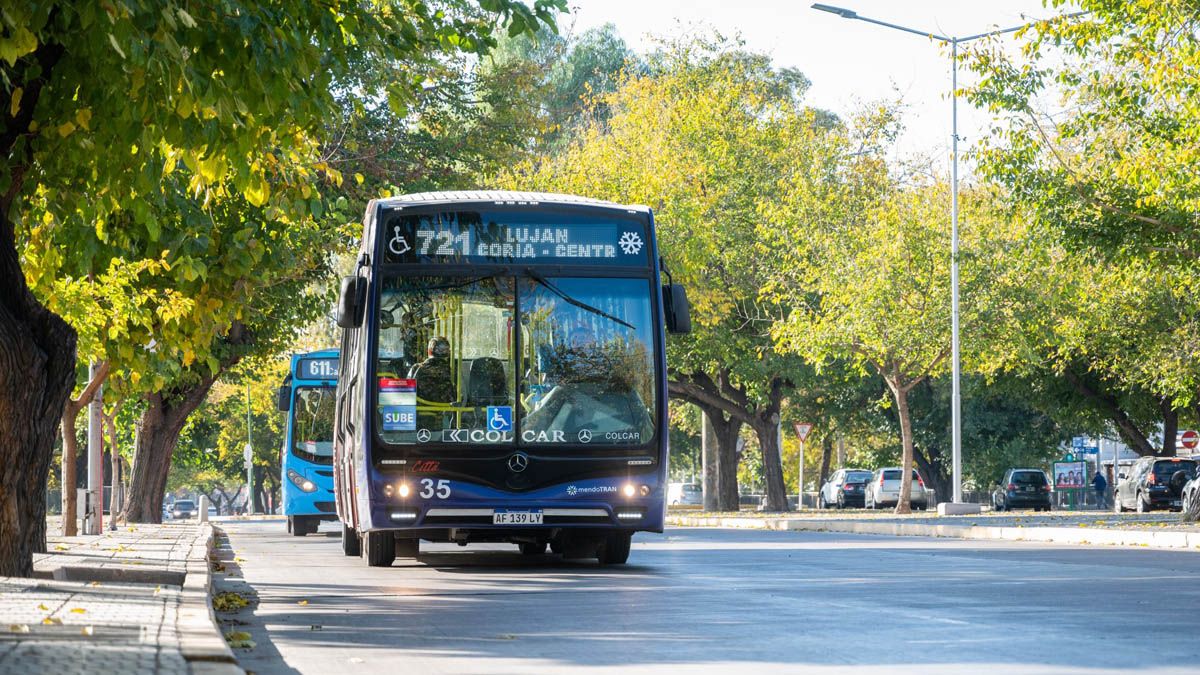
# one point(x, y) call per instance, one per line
point(248, 456)
point(1189, 440)
point(802, 429)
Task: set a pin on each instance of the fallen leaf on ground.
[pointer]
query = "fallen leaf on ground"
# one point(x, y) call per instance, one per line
point(43, 607)
point(60, 547)
point(239, 640)
point(52, 621)
point(87, 630)
point(78, 610)
point(19, 628)
point(302, 602)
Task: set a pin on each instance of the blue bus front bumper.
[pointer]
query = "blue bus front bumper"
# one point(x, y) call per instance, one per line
point(319, 502)
point(589, 504)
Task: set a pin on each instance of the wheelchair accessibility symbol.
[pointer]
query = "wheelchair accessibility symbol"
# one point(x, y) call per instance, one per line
point(398, 245)
point(499, 418)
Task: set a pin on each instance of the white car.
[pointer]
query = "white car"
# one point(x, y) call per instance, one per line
point(1190, 497)
point(884, 489)
point(684, 493)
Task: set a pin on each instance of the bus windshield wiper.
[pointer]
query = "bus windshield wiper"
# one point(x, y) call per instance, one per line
point(578, 303)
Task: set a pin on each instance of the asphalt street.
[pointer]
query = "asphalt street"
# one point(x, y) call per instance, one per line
point(716, 601)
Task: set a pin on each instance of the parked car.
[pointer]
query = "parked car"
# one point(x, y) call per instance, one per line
point(884, 489)
point(1191, 493)
point(183, 508)
point(846, 487)
point(1022, 488)
point(1154, 483)
point(684, 493)
point(212, 511)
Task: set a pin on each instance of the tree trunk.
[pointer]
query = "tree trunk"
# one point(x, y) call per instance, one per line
point(708, 441)
point(826, 456)
point(161, 425)
point(37, 372)
point(934, 473)
point(70, 453)
point(904, 503)
point(728, 495)
point(1170, 427)
point(1111, 408)
point(767, 430)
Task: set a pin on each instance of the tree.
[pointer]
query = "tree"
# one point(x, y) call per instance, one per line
point(102, 100)
point(867, 272)
point(696, 135)
point(1110, 174)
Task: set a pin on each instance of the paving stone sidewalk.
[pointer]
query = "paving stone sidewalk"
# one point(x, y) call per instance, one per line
point(130, 601)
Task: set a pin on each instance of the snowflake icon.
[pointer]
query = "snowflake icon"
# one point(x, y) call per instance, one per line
point(630, 243)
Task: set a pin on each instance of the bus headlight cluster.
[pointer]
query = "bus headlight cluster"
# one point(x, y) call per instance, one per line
point(403, 490)
point(630, 490)
point(300, 481)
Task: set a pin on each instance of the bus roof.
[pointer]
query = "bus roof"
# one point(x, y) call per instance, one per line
point(505, 197)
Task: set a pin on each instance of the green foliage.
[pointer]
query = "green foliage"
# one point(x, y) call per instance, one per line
point(1109, 175)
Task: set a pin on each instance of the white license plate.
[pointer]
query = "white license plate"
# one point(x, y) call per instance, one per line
point(500, 517)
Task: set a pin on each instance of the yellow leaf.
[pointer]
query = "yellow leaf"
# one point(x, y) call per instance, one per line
point(83, 117)
point(302, 602)
point(52, 621)
point(358, 178)
point(78, 610)
point(87, 630)
point(19, 628)
point(43, 607)
point(66, 129)
point(15, 106)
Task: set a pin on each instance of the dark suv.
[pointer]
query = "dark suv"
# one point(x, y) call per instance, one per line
point(1022, 488)
point(1154, 483)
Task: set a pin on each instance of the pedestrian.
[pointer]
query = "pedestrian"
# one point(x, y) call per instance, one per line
point(1100, 485)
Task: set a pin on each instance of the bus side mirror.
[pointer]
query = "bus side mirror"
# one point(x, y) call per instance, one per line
point(677, 310)
point(283, 398)
point(351, 302)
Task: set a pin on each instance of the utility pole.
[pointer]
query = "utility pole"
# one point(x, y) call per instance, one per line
point(93, 515)
point(249, 457)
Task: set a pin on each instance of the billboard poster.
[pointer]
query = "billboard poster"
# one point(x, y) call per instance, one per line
point(1069, 474)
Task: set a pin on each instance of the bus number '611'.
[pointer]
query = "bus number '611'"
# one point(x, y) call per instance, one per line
point(429, 489)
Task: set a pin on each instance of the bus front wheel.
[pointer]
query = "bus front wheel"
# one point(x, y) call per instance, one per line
point(379, 548)
point(351, 546)
point(614, 549)
point(300, 526)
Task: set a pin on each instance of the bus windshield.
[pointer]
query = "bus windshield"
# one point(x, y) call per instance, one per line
point(525, 361)
point(312, 424)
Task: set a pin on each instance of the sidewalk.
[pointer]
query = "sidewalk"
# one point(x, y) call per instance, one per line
point(1078, 527)
point(132, 601)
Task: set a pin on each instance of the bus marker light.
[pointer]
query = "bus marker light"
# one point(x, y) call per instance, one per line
point(629, 515)
point(404, 515)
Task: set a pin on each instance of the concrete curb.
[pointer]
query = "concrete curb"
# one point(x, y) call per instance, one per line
point(1056, 535)
point(200, 638)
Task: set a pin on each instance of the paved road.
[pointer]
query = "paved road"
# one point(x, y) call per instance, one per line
point(719, 601)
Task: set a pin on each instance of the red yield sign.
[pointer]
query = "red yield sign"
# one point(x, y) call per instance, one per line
point(802, 429)
point(1189, 439)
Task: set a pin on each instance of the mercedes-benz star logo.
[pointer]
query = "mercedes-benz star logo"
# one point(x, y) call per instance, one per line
point(585, 436)
point(423, 436)
point(518, 462)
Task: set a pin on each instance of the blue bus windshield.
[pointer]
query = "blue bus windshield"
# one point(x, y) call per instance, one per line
point(312, 424)
point(449, 370)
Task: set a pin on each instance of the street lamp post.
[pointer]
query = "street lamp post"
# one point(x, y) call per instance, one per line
point(956, 362)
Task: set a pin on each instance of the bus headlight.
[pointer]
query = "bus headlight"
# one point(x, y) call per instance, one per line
point(645, 490)
point(403, 490)
point(629, 490)
point(301, 482)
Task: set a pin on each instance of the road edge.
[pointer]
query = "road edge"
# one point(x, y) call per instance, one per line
point(1189, 541)
point(200, 639)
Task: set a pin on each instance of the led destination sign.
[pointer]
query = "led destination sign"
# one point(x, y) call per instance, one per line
point(513, 237)
point(317, 368)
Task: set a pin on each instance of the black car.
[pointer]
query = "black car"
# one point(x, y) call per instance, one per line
point(846, 487)
point(1154, 483)
point(1022, 489)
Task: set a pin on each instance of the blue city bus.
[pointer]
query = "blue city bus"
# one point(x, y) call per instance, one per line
point(503, 376)
point(307, 395)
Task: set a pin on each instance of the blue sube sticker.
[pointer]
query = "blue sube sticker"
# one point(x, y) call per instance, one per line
point(499, 418)
point(399, 417)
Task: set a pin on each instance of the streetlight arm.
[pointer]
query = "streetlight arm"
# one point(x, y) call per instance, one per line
point(851, 14)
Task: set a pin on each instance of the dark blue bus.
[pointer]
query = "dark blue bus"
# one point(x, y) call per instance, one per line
point(503, 376)
point(308, 396)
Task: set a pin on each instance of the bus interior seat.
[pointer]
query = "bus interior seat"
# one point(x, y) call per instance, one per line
point(486, 383)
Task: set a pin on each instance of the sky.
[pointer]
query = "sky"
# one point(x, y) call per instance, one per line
point(848, 61)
